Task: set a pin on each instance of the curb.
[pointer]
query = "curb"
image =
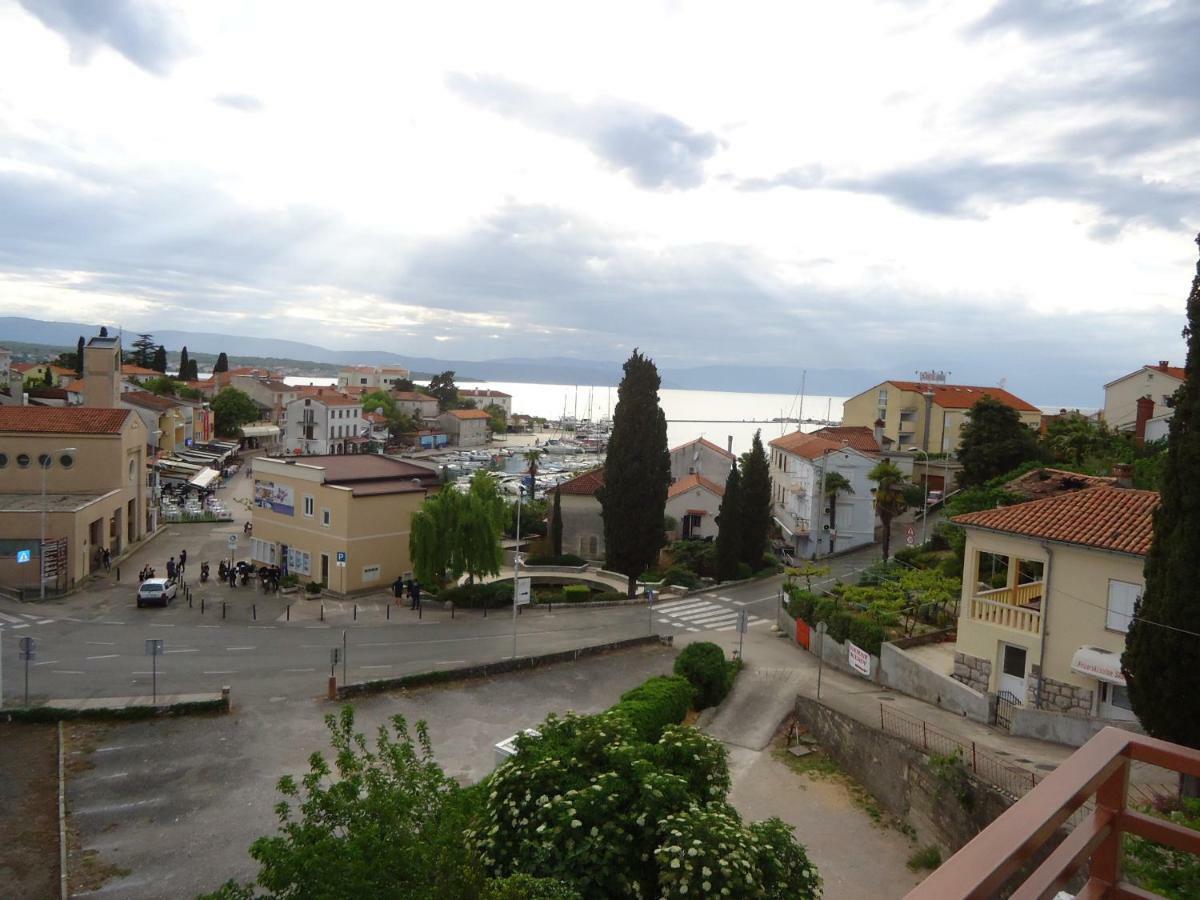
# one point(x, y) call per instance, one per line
point(115, 713)
point(64, 890)
point(486, 670)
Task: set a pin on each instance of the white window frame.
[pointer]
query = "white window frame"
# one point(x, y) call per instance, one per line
point(310, 505)
point(326, 517)
point(1126, 594)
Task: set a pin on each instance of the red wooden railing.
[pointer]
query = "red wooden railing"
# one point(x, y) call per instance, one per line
point(1099, 771)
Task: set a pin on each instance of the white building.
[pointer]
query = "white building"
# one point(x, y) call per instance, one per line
point(701, 457)
point(324, 422)
point(1121, 396)
point(485, 398)
point(414, 403)
point(811, 524)
point(693, 502)
point(372, 378)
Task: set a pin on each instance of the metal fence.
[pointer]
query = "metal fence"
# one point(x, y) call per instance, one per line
point(1013, 780)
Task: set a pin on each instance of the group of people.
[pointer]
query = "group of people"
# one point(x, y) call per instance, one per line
point(174, 569)
point(411, 588)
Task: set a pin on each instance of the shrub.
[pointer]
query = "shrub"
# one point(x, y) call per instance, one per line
point(550, 559)
point(907, 556)
point(926, 858)
point(697, 556)
point(678, 575)
point(313, 587)
point(610, 596)
point(655, 704)
point(703, 665)
point(479, 596)
point(866, 634)
point(951, 567)
point(526, 887)
point(744, 571)
point(576, 593)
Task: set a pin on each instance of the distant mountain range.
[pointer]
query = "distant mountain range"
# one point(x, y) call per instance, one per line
point(562, 370)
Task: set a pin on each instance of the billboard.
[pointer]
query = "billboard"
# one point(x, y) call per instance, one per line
point(278, 498)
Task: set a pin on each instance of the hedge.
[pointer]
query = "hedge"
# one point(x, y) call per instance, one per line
point(703, 665)
point(652, 706)
point(478, 596)
point(678, 575)
point(842, 624)
point(576, 593)
point(549, 559)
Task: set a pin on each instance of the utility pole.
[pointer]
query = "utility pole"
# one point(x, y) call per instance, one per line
point(517, 567)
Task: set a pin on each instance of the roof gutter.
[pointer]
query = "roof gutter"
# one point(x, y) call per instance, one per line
point(1045, 620)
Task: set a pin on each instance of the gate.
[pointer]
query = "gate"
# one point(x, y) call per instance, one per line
point(1005, 701)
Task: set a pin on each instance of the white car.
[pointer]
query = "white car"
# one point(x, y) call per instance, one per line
point(156, 592)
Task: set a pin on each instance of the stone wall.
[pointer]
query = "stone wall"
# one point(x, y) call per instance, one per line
point(905, 674)
point(973, 671)
point(1060, 728)
point(1058, 695)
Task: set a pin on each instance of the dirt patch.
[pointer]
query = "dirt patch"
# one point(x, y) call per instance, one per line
point(29, 810)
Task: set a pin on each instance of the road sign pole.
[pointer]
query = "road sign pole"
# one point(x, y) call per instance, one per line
point(344, 681)
point(154, 679)
point(28, 647)
point(517, 569)
point(27, 681)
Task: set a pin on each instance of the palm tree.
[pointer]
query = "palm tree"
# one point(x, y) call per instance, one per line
point(890, 500)
point(532, 457)
point(835, 483)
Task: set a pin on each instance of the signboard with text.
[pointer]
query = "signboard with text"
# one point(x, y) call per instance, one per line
point(859, 659)
point(523, 591)
point(278, 498)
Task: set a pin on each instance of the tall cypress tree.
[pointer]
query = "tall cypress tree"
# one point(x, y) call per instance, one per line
point(185, 371)
point(79, 357)
point(729, 521)
point(755, 504)
point(222, 364)
point(637, 473)
point(159, 363)
point(1161, 648)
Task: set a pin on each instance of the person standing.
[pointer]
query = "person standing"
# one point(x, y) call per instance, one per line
point(106, 558)
point(416, 594)
point(398, 589)
point(182, 560)
point(171, 569)
point(233, 576)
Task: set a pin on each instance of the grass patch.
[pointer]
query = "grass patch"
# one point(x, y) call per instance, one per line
point(819, 765)
point(925, 859)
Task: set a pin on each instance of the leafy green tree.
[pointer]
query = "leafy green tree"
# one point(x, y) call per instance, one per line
point(443, 388)
point(729, 524)
point(454, 533)
point(222, 363)
point(835, 483)
point(533, 518)
point(637, 473)
point(398, 422)
point(1164, 870)
point(1160, 649)
point(430, 542)
point(79, 357)
point(161, 385)
point(384, 822)
point(231, 410)
point(556, 527)
point(497, 418)
point(480, 526)
point(755, 503)
point(993, 441)
point(143, 350)
point(890, 498)
point(159, 363)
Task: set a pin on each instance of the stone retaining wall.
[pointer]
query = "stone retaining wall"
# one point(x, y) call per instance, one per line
point(973, 671)
point(1058, 695)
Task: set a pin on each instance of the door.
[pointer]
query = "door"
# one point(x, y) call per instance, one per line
point(1114, 702)
point(325, 569)
point(1012, 671)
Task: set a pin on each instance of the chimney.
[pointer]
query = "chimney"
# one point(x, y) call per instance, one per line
point(1123, 473)
point(1145, 412)
point(879, 433)
point(729, 444)
point(1163, 364)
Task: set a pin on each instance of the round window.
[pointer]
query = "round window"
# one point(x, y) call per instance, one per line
point(23, 460)
point(3, 460)
point(66, 460)
point(44, 460)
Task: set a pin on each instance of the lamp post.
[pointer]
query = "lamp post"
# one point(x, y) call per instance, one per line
point(517, 567)
point(45, 461)
point(925, 511)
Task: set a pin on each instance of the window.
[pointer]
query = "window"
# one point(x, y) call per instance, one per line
point(1115, 695)
point(299, 562)
point(3, 460)
point(23, 460)
point(262, 551)
point(44, 460)
point(326, 517)
point(66, 460)
point(309, 505)
point(1121, 599)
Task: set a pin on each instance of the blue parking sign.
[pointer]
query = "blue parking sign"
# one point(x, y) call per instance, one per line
point(341, 556)
point(24, 556)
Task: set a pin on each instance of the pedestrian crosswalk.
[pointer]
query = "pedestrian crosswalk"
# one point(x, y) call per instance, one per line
point(702, 615)
point(14, 622)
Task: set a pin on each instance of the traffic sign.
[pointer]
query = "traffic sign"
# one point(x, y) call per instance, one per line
point(232, 541)
point(523, 591)
point(341, 556)
point(910, 536)
point(28, 647)
point(743, 622)
point(154, 646)
point(24, 556)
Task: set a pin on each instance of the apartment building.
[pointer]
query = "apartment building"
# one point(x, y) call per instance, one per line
point(321, 422)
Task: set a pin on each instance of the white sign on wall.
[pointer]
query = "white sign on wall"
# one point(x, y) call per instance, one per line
point(523, 591)
point(370, 573)
point(859, 659)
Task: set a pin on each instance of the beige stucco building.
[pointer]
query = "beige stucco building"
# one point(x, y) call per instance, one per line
point(343, 520)
point(582, 519)
point(694, 502)
point(701, 457)
point(466, 427)
point(94, 464)
point(1069, 570)
point(928, 416)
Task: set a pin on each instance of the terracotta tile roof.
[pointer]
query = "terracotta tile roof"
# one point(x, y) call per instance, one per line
point(415, 396)
point(366, 369)
point(964, 396)
point(1176, 372)
point(482, 393)
point(61, 370)
point(705, 443)
point(147, 400)
point(1107, 518)
point(468, 413)
point(685, 484)
point(138, 370)
point(860, 437)
point(584, 485)
point(24, 367)
point(1041, 483)
point(328, 396)
point(62, 420)
point(75, 387)
point(807, 445)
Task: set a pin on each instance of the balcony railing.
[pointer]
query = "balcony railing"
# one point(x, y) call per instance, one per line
point(1097, 774)
point(1018, 608)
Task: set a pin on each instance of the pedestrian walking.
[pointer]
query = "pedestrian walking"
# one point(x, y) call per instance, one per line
point(106, 558)
point(171, 569)
point(233, 576)
point(416, 594)
point(182, 560)
point(398, 589)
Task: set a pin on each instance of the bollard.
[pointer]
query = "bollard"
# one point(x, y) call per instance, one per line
point(332, 694)
point(419, 605)
point(322, 612)
point(118, 573)
point(289, 612)
point(253, 612)
point(355, 612)
point(201, 604)
point(189, 601)
point(452, 610)
point(222, 609)
point(388, 614)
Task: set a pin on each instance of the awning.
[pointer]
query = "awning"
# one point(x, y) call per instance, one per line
point(204, 478)
point(786, 530)
point(252, 431)
point(1098, 663)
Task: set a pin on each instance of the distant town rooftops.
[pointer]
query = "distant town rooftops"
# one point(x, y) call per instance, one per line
point(147, 400)
point(1047, 482)
point(468, 414)
point(130, 369)
point(807, 445)
point(412, 396)
point(478, 392)
point(368, 474)
point(583, 485)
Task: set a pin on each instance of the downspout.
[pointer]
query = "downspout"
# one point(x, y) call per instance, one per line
point(1045, 620)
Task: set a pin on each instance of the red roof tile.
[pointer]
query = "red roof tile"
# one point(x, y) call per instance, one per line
point(411, 396)
point(1107, 518)
point(584, 485)
point(468, 414)
point(706, 443)
point(1047, 482)
point(964, 396)
point(860, 437)
point(62, 420)
point(472, 392)
point(128, 369)
point(685, 484)
point(807, 445)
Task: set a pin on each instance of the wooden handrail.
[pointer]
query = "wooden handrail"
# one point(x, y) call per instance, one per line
point(1099, 768)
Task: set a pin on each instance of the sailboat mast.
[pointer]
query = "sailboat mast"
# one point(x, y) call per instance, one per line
point(800, 416)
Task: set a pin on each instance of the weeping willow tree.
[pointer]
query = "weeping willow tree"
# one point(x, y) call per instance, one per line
point(455, 533)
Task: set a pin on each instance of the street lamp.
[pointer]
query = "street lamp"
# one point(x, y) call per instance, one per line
point(45, 461)
point(925, 511)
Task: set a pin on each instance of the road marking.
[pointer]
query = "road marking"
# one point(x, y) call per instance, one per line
point(385, 666)
point(209, 626)
point(184, 650)
point(22, 625)
point(45, 621)
point(113, 775)
point(712, 596)
point(106, 656)
point(66, 672)
point(262, 626)
point(222, 672)
point(451, 662)
point(682, 604)
point(239, 648)
point(278, 699)
point(322, 646)
point(7, 618)
point(29, 616)
point(740, 602)
point(671, 622)
point(142, 673)
point(316, 626)
point(110, 622)
point(99, 643)
point(725, 628)
point(48, 662)
point(69, 619)
point(693, 629)
point(162, 624)
point(299, 670)
point(726, 599)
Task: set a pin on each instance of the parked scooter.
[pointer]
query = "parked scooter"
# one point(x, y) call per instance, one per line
point(203, 572)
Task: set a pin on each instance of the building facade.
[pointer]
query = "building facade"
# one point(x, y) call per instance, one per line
point(466, 427)
point(701, 457)
point(414, 403)
point(582, 521)
point(322, 423)
point(341, 521)
point(372, 378)
point(1121, 396)
point(694, 502)
point(926, 416)
point(483, 398)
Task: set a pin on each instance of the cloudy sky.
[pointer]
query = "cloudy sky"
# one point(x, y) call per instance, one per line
point(953, 185)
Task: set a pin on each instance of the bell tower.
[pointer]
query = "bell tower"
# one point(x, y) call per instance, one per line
point(102, 372)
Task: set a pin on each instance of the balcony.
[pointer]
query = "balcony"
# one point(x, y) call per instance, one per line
point(1092, 786)
point(1018, 608)
point(908, 414)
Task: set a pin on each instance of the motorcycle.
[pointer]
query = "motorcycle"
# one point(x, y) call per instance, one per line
point(203, 572)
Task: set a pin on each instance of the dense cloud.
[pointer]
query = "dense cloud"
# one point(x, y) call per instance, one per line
point(657, 150)
point(145, 34)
